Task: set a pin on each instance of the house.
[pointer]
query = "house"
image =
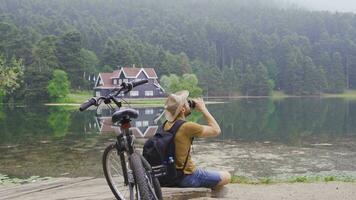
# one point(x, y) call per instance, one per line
point(107, 81)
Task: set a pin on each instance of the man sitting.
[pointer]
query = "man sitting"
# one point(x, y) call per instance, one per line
point(177, 107)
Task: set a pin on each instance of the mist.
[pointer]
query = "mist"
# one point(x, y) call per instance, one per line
point(330, 5)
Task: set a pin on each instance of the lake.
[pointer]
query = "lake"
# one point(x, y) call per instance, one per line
point(260, 138)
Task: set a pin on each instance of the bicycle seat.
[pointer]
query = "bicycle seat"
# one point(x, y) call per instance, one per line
point(122, 114)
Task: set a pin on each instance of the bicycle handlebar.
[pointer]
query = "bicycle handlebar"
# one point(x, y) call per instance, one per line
point(124, 86)
point(137, 83)
point(130, 85)
point(87, 104)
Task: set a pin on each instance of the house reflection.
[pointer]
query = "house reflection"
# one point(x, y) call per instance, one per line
point(144, 126)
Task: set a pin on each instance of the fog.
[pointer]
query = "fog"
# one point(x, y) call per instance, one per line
point(331, 5)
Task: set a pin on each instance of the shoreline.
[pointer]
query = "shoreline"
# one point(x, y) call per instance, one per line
point(76, 99)
point(235, 179)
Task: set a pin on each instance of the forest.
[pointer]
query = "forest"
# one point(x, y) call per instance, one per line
point(232, 46)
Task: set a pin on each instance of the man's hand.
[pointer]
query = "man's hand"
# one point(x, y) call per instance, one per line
point(200, 105)
point(213, 128)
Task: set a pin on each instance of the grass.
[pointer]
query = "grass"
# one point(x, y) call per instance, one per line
point(294, 179)
point(79, 96)
point(279, 95)
point(6, 180)
point(348, 94)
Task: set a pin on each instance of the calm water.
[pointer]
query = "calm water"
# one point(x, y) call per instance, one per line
point(260, 138)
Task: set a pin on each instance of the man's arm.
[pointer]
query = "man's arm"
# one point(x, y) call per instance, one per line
point(213, 128)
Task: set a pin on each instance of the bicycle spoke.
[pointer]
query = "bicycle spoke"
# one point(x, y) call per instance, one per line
point(115, 173)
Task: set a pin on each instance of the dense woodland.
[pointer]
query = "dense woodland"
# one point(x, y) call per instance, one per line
point(232, 46)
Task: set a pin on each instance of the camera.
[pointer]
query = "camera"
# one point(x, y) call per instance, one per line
point(191, 103)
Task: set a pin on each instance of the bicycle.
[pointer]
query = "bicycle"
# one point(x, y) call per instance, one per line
point(126, 171)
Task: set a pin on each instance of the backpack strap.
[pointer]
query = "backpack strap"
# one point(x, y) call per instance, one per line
point(177, 124)
point(186, 160)
point(174, 129)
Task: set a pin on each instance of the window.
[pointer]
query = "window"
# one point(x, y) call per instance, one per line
point(138, 124)
point(148, 111)
point(138, 79)
point(125, 80)
point(149, 93)
point(134, 93)
point(115, 81)
point(97, 93)
point(120, 81)
point(145, 123)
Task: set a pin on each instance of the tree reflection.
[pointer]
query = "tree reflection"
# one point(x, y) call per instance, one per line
point(288, 120)
point(59, 121)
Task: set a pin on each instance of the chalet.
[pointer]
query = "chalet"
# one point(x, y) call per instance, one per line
point(107, 81)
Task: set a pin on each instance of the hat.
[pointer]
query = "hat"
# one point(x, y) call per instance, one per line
point(174, 104)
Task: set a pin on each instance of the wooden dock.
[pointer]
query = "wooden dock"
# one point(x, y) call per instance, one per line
point(82, 188)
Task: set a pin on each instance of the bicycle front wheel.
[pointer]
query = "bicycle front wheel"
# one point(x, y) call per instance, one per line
point(116, 167)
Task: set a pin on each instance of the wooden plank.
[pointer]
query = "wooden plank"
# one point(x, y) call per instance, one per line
point(13, 192)
point(83, 188)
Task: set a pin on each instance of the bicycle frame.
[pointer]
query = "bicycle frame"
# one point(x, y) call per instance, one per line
point(124, 144)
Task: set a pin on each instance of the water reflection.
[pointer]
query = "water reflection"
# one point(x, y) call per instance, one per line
point(288, 134)
point(145, 125)
point(288, 121)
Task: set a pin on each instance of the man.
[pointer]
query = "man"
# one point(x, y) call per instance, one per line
point(177, 107)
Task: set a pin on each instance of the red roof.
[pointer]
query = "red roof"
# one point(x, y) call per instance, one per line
point(130, 71)
point(150, 72)
point(105, 78)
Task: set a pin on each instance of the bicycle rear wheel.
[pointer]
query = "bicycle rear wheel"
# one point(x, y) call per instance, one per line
point(113, 166)
point(141, 178)
point(155, 182)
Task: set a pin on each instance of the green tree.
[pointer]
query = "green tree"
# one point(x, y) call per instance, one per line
point(185, 66)
point(119, 52)
point(293, 72)
point(39, 72)
point(59, 85)
point(9, 33)
point(314, 80)
point(44, 54)
point(174, 83)
point(220, 35)
point(88, 65)
point(171, 64)
point(210, 79)
point(255, 81)
point(11, 74)
point(68, 52)
point(336, 74)
point(231, 80)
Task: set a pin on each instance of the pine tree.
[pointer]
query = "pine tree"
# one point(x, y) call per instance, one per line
point(314, 78)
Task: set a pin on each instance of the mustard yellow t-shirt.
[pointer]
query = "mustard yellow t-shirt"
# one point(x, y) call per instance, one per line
point(182, 141)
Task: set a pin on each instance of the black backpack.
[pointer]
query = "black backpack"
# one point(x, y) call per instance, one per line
point(159, 151)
